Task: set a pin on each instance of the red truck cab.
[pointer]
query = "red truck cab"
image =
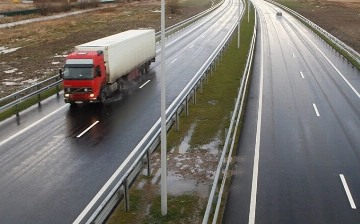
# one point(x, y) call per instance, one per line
point(83, 77)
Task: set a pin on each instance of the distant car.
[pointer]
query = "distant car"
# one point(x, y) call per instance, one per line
point(278, 13)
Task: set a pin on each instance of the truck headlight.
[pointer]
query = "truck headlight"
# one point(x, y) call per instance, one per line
point(66, 95)
point(92, 95)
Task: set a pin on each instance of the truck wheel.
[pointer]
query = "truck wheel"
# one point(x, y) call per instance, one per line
point(147, 68)
point(120, 85)
point(102, 97)
point(142, 70)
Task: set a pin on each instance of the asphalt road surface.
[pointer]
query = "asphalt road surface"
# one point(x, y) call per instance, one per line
point(298, 159)
point(51, 169)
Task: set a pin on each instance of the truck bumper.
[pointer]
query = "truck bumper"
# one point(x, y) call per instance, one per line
point(67, 100)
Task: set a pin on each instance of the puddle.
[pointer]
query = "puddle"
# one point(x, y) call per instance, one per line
point(213, 147)
point(184, 146)
point(141, 184)
point(177, 185)
point(156, 177)
point(148, 209)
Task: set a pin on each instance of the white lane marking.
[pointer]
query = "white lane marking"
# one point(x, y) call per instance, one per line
point(173, 60)
point(86, 130)
point(347, 190)
point(294, 55)
point(255, 176)
point(202, 36)
point(337, 70)
point(32, 125)
point(191, 46)
point(302, 75)
point(144, 84)
point(115, 174)
point(316, 110)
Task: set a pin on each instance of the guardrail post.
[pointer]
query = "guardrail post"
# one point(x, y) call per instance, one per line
point(211, 69)
point(206, 77)
point(57, 87)
point(148, 163)
point(201, 90)
point(186, 107)
point(126, 195)
point(16, 106)
point(194, 97)
point(177, 121)
point(37, 88)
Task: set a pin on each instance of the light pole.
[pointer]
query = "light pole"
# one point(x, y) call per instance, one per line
point(163, 117)
point(239, 28)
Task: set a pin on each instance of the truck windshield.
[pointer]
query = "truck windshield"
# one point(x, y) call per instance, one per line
point(78, 73)
point(79, 68)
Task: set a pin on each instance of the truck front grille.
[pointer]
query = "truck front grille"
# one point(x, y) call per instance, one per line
point(79, 97)
point(78, 90)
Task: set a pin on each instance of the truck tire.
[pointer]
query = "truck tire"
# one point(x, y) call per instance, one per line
point(102, 97)
point(147, 68)
point(120, 84)
point(142, 70)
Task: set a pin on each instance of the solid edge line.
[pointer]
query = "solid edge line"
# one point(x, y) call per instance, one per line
point(86, 130)
point(335, 68)
point(31, 126)
point(316, 110)
point(347, 190)
point(252, 211)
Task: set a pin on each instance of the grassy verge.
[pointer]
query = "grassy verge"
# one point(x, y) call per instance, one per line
point(211, 115)
point(28, 103)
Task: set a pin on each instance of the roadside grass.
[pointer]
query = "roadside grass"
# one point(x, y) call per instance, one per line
point(28, 103)
point(211, 115)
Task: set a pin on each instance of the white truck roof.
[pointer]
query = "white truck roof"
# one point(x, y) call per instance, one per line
point(116, 38)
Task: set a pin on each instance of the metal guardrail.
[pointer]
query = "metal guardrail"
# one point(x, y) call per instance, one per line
point(186, 22)
point(230, 138)
point(152, 139)
point(341, 45)
point(22, 93)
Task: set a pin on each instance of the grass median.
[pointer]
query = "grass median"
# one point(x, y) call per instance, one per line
point(207, 119)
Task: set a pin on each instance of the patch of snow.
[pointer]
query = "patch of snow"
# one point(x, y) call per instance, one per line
point(55, 62)
point(59, 56)
point(30, 81)
point(5, 50)
point(10, 83)
point(11, 71)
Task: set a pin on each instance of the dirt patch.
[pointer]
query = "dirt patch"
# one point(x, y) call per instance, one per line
point(33, 52)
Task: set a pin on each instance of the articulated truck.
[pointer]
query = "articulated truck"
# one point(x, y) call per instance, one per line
point(98, 68)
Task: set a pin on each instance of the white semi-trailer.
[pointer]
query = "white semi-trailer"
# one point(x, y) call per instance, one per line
point(98, 68)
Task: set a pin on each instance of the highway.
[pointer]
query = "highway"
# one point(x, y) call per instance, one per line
point(55, 158)
point(298, 159)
